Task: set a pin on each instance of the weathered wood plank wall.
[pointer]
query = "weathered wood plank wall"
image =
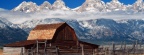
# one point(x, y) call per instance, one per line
point(13, 50)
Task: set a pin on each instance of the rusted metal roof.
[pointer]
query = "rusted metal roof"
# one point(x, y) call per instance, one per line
point(21, 43)
point(44, 31)
point(88, 45)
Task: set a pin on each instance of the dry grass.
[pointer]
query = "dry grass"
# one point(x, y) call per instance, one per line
point(1, 52)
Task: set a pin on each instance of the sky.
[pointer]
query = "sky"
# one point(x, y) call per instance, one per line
point(10, 4)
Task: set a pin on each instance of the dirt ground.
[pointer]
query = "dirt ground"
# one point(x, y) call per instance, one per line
point(1, 52)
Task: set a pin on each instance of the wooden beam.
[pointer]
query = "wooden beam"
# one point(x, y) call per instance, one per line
point(22, 51)
point(82, 49)
point(45, 48)
point(113, 49)
point(57, 50)
point(93, 51)
point(31, 51)
point(37, 48)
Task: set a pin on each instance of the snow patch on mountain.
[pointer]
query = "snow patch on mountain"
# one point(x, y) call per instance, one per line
point(5, 22)
point(59, 4)
point(121, 20)
point(138, 6)
point(26, 7)
point(138, 35)
point(115, 5)
point(92, 5)
point(46, 6)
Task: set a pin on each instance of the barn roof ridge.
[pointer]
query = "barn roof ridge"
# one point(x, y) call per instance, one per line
point(48, 26)
point(53, 23)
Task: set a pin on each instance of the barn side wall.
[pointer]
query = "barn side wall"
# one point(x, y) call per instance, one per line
point(13, 50)
point(64, 33)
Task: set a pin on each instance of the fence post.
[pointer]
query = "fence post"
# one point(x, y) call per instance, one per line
point(113, 50)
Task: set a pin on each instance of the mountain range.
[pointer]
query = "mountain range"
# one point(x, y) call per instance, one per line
point(10, 32)
point(94, 21)
point(87, 6)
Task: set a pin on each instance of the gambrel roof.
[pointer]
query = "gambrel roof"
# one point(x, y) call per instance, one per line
point(44, 31)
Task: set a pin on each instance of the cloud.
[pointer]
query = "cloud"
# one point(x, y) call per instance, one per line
point(1, 9)
point(20, 17)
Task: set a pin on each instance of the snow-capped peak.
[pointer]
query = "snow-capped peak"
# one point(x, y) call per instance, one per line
point(59, 0)
point(115, 5)
point(59, 4)
point(45, 5)
point(138, 6)
point(87, 6)
point(92, 5)
point(26, 7)
point(139, 1)
point(115, 1)
point(98, 0)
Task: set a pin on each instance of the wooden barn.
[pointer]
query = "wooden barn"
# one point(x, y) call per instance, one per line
point(51, 39)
